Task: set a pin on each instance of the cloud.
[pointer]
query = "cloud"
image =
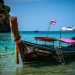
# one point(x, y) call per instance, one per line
point(9, 1)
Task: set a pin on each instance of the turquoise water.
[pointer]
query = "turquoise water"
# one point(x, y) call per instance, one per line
point(7, 61)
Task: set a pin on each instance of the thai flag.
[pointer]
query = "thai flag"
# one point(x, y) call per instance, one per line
point(53, 22)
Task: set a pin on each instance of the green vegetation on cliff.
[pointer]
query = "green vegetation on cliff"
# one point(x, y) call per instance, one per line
point(4, 17)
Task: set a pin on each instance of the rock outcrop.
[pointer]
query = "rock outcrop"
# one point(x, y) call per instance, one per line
point(4, 17)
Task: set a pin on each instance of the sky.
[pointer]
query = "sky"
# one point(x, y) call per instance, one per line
point(37, 14)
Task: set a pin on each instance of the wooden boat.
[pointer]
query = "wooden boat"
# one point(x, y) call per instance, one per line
point(33, 52)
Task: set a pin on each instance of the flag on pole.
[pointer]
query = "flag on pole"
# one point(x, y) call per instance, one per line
point(53, 22)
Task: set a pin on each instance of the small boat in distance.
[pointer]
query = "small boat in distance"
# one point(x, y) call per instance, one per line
point(36, 31)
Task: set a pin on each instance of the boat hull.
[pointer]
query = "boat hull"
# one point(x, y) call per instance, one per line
point(39, 53)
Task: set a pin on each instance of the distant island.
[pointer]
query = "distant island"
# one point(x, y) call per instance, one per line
point(4, 17)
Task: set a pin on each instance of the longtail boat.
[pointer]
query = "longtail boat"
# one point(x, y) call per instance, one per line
point(34, 52)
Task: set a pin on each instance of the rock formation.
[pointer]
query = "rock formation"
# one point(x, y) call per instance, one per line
point(4, 17)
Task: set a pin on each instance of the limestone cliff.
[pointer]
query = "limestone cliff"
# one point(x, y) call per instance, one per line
point(4, 17)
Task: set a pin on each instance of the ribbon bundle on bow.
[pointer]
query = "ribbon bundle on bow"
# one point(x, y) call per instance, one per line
point(17, 51)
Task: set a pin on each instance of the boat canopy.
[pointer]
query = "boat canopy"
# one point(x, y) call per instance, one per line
point(48, 39)
point(67, 40)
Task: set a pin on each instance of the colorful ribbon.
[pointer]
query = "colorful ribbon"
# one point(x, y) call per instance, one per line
point(16, 49)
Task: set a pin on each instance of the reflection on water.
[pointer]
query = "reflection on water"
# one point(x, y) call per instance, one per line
point(5, 37)
point(8, 65)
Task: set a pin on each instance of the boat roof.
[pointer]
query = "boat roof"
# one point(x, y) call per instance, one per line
point(67, 40)
point(48, 39)
point(68, 28)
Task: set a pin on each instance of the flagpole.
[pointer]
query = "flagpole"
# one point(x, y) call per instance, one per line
point(48, 29)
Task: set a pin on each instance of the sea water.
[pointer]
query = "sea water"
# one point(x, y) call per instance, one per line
point(7, 59)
